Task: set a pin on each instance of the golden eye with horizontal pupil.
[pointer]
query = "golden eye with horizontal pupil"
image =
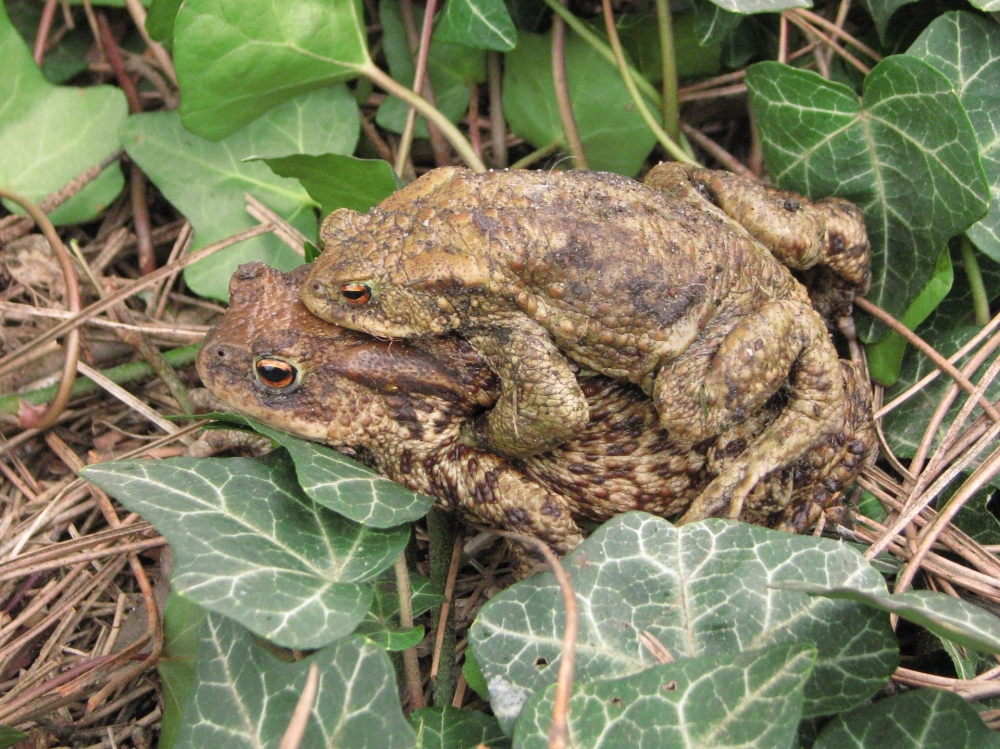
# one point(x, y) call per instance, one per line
point(276, 373)
point(356, 293)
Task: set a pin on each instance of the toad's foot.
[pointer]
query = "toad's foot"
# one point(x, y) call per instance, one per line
point(541, 403)
point(830, 232)
point(703, 392)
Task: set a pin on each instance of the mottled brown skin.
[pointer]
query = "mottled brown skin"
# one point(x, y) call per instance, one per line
point(659, 287)
point(401, 407)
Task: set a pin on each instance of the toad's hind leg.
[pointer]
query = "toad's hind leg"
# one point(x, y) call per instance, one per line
point(782, 340)
point(541, 404)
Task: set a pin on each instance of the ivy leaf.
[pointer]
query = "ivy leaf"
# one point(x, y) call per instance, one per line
point(966, 49)
point(206, 180)
point(452, 70)
point(450, 728)
point(244, 697)
point(381, 624)
point(886, 357)
point(484, 24)
point(236, 59)
point(160, 21)
point(921, 719)
point(49, 134)
point(344, 485)
point(713, 23)
point(181, 621)
point(988, 6)
point(760, 6)
point(906, 154)
point(69, 55)
point(751, 700)
point(946, 616)
point(250, 545)
point(615, 138)
point(882, 11)
point(336, 181)
point(704, 588)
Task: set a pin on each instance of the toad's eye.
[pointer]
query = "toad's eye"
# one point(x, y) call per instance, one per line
point(356, 293)
point(276, 373)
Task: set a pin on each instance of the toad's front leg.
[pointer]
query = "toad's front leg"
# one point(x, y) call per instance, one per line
point(703, 392)
point(541, 403)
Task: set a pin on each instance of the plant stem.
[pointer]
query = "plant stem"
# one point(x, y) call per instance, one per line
point(563, 102)
point(458, 141)
point(411, 668)
point(980, 302)
point(441, 540)
point(124, 373)
point(603, 49)
point(670, 108)
point(669, 144)
point(538, 154)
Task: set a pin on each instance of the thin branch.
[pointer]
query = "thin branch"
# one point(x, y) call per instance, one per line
point(563, 102)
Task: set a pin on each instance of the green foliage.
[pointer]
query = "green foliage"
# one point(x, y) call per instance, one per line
point(707, 701)
point(485, 24)
point(188, 168)
point(614, 136)
point(10, 736)
point(639, 573)
point(236, 59)
point(250, 544)
point(908, 131)
point(49, 134)
point(181, 621)
point(924, 719)
point(246, 695)
point(448, 728)
point(336, 181)
point(452, 70)
point(966, 49)
point(344, 485)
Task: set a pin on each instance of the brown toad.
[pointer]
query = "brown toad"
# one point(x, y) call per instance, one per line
point(400, 407)
point(659, 287)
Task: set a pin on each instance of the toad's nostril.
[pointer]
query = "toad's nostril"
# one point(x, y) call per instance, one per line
point(221, 353)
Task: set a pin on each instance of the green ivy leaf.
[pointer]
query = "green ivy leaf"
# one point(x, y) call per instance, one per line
point(450, 728)
point(760, 6)
point(946, 616)
point(484, 24)
point(966, 49)
point(236, 59)
point(206, 180)
point(882, 11)
point(181, 621)
point(704, 588)
point(886, 357)
point(712, 23)
point(336, 181)
point(68, 57)
point(244, 697)
point(249, 544)
point(989, 6)
point(49, 134)
point(160, 21)
point(751, 700)
point(614, 136)
point(452, 70)
point(640, 36)
point(906, 154)
point(975, 518)
point(381, 624)
point(921, 719)
point(341, 484)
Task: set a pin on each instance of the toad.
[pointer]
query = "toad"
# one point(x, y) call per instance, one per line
point(400, 408)
point(655, 284)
